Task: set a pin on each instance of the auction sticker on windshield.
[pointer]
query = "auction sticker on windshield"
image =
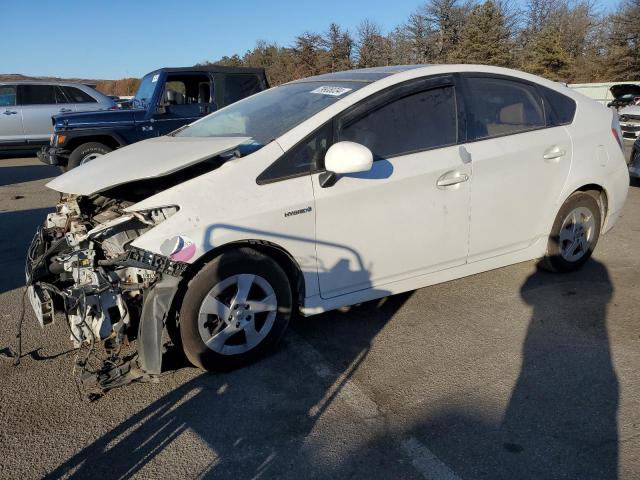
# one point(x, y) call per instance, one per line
point(331, 91)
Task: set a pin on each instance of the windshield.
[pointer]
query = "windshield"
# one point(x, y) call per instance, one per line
point(145, 90)
point(266, 116)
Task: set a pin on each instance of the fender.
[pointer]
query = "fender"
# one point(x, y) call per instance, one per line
point(94, 132)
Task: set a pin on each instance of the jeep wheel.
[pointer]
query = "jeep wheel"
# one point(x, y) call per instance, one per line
point(235, 309)
point(85, 153)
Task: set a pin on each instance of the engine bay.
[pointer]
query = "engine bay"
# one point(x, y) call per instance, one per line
point(82, 264)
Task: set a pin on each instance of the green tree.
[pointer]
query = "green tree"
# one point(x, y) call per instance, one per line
point(308, 54)
point(339, 46)
point(486, 37)
point(547, 58)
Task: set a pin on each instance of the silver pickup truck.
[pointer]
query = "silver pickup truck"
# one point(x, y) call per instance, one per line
point(26, 108)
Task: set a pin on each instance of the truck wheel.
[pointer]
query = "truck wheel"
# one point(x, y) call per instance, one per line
point(85, 153)
point(574, 234)
point(235, 309)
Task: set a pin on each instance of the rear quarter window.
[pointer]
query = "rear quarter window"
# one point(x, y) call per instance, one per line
point(75, 95)
point(559, 109)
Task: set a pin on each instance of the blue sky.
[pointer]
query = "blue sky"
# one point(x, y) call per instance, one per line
point(118, 38)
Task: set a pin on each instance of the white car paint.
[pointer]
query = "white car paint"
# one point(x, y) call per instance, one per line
point(390, 229)
point(154, 157)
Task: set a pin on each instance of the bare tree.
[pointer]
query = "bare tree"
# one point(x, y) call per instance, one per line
point(371, 45)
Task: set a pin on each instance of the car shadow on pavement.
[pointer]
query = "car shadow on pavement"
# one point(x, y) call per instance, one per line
point(9, 154)
point(561, 419)
point(257, 420)
point(26, 173)
point(16, 231)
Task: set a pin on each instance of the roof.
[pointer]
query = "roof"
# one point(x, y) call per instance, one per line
point(367, 75)
point(211, 68)
point(46, 82)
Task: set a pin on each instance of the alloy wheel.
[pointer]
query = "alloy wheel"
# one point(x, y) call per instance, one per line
point(237, 314)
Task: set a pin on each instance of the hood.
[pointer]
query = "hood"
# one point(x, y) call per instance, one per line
point(631, 111)
point(151, 158)
point(624, 89)
point(99, 117)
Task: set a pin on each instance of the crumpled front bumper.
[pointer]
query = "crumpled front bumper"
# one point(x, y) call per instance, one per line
point(53, 155)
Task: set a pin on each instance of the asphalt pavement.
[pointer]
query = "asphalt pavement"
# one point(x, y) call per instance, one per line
point(509, 374)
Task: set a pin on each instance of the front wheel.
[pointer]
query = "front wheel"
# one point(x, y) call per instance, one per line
point(235, 309)
point(574, 235)
point(85, 153)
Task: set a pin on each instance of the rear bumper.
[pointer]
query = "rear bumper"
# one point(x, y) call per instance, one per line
point(52, 156)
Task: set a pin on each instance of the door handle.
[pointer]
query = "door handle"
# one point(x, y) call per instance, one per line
point(65, 110)
point(554, 153)
point(452, 178)
point(10, 112)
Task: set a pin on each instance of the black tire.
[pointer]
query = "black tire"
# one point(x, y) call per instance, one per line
point(80, 152)
point(553, 260)
point(235, 262)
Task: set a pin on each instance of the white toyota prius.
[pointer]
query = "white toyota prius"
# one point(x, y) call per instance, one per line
point(321, 193)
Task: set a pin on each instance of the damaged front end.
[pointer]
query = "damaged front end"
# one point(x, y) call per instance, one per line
point(82, 263)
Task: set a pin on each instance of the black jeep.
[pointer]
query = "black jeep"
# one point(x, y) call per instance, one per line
point(166, 100)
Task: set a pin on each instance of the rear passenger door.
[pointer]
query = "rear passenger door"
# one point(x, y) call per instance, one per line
point(520, 164)
point(39, 103)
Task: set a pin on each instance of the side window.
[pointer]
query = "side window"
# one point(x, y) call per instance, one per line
point(7, 95)
point(502, 107)
point(175, 92)
point(75, 95)
point(237, 87)
point(36, 94)
point(419, 121)
point(187, 90)
point(559, 108)
point(304, 158)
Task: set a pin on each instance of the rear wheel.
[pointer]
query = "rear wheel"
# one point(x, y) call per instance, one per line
point(235, 309)
point(574, 235)
point(85, 153)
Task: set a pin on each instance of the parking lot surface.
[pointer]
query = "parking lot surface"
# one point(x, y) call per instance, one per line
point(514, 373)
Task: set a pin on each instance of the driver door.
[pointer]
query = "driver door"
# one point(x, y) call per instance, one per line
point(408, 215)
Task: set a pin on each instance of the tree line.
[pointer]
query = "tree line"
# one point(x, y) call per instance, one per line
point(570, 41)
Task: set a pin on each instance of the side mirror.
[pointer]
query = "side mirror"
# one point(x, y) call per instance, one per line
point(345, 157)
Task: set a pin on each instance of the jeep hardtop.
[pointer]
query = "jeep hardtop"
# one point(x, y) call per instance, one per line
point(167, 99)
